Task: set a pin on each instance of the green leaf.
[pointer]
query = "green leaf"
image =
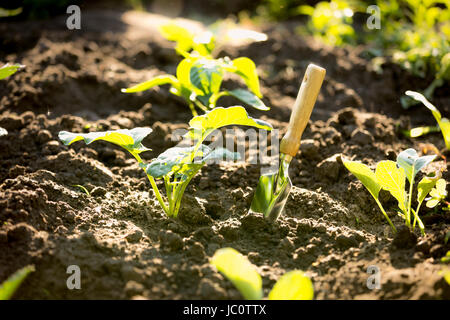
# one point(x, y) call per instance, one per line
point(239, 271)
point(183, 75)
point(10, 12)
point(11, 284)
point(202, 126)
point(437, 194)
point(294, 285)
point(182, 36)
point(178, 160)
point(424, 187)
point(247, 70)
point(156, 81)
point(365, 175)
point(172, 160)
point(206, 75)
point(392, 179)
point(131, 140)
point(420, 131)
point(8, 69)
point(221, 154)
point(249, 98)
point(443, 123)
point(410, 161)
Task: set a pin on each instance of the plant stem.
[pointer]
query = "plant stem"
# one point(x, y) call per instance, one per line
point(385, 215)
point(411, 185)
point(157, 194)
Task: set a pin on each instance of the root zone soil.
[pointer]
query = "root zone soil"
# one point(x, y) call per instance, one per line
point(119, 237)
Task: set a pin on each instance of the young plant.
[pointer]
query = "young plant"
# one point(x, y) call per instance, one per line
point(9, 287)
point(391, 176)
point(293, 285)
point(198, 80)
point(443, 123)
point(178, 165)
point(205, 42)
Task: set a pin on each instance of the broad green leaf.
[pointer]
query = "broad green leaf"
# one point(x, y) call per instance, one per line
point(156, 81)
point(131, 140)
point(392, 179)
point(206, 75)
point(239, 271)
point(412, 163)
point(294, 285)
point(424, 187)
point(247, 70)
point(179, 160)
point(202, 126)
point(11, 284)
point(8, 69)
point(446, 258)
point(249, 98)
point(183, 74)
point(182, 36)
point(365, 175)
point(172, 161)
point(443, 123)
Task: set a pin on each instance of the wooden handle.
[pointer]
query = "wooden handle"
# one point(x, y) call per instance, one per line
point(306, 98)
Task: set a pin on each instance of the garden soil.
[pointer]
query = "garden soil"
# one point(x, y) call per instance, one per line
point(118, 235)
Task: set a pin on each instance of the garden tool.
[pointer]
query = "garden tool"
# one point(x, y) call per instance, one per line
point(273, 188)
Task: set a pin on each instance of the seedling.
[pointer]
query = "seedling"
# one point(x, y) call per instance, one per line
point(293, 285)
point(198, 80)
point(205, 42)
point(390, 176)
point(443, 123)
point(9, 287)
point(178, 165)
point(82, 188)
point(437, 194)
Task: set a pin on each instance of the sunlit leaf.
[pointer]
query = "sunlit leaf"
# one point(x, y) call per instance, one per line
point(410, 161)
point(182, 36)
point(443, 123)
point(202, 126)
point(131, 140)
point(294, 285)
point(247, 70)
point(156, 81)
point(365, 175)
point(392, 179)
point(11, 284)
point(9, 69)
point(248, 98)
point(206, 75)
point(239, 271)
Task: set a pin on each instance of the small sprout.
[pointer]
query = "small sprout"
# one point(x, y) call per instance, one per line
point(391, 176)
point(294, 285)
point(437, 194)
point(444, 123)
point(9, 287)
point(82, 188)
point(9, 69)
